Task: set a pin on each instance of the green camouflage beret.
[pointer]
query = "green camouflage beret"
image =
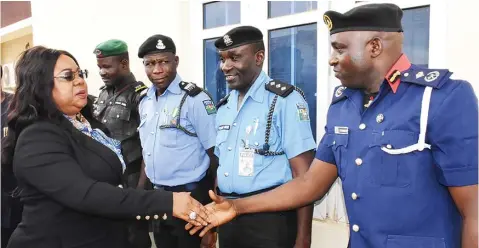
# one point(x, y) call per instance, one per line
point(110, 48)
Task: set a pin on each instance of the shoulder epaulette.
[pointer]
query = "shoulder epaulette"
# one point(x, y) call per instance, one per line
point(190, 88)
point(222, 101)
point(338, 94)
point(426, 77)
point(140, 86)
point(279, 88)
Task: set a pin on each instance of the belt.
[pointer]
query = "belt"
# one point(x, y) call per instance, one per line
point(181, 188)
point(236, 195)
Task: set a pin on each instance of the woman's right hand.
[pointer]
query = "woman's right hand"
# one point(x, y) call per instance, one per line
point(183, 207)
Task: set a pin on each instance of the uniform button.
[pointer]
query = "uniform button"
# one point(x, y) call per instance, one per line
point(117, 116)
point(156, 113)
point(226, 174)
point(380, 118)
point(256, 143)
point(334, 142)
point(138, 217)
point(389, 146)
point(149, 154)
point(229, 148)
point(156, 216)
point(110, 103)
point(104, 121)
point(355, 228)
point(120, 186)
point(358, 161)
point(354, 196)
point(362, 126)
point(152, 133)
point(147, 217)
point(165, 217)
point(406, 74)
point(234, 124)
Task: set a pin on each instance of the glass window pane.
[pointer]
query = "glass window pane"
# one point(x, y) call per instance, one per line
point(282, 8)
point(215, 81)
point(415, 23)
point(221, 13)
point(292, 59)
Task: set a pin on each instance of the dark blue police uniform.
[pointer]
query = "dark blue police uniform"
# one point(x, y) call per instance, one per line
point(398, 155)
point(395, 175)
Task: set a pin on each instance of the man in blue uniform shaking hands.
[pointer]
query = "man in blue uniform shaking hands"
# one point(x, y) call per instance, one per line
point(402, 138)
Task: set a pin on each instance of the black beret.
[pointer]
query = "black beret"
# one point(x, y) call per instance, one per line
point(239, 36)
point(369, 17)
point(157, 44)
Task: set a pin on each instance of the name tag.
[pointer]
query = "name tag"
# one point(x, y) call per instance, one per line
point(224, 127)
point(121, 103)
point(341, 130)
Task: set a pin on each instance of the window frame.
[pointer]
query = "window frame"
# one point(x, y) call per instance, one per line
point(268, 13)
point(203, 4)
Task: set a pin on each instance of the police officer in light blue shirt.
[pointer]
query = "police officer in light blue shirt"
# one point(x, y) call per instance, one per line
point(177, 135)
point(264, 140)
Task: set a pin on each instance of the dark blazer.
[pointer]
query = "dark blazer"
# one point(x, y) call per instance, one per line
point(11, 207)
point(70, 191)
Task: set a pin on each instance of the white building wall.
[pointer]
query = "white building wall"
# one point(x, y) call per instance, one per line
point(78, 26)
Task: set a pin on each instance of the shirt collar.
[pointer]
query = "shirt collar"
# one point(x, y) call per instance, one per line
point(256, 92)
point(174, 88)
point(393, 77)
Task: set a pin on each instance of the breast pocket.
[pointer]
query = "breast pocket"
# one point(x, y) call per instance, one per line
point(169, 136)
point(259, 131)
point(339, 144)
point(398, 241)
point(392, 170)
point(120, 112)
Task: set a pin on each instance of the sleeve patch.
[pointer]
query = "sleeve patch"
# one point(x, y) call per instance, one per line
point(302, 112)
point(209, 107)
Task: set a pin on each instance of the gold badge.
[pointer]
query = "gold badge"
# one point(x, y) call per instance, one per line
point(328, 22)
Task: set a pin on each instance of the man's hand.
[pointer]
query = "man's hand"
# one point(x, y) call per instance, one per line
point(209, 240)
point(220, 211)
point(185, 207)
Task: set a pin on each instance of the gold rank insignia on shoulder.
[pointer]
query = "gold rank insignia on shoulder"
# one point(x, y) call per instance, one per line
point(140, 87)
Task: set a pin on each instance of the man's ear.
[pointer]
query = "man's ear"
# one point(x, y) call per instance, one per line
point(375, 47)
point(125, 64)
point(259, 56)
point(177, 60)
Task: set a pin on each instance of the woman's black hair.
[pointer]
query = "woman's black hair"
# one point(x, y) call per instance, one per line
point(33, 99)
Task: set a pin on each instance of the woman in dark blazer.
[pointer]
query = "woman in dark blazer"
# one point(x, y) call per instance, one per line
point(69, 173)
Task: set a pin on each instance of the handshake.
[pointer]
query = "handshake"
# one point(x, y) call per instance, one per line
point(200, 217)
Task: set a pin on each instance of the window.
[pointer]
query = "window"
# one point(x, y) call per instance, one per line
point(415, 24)
point(217, 14)
point(292, 59)
point(282, 8)
point(215, 81)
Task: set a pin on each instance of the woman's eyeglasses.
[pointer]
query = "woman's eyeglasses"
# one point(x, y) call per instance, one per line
point(71, 75)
